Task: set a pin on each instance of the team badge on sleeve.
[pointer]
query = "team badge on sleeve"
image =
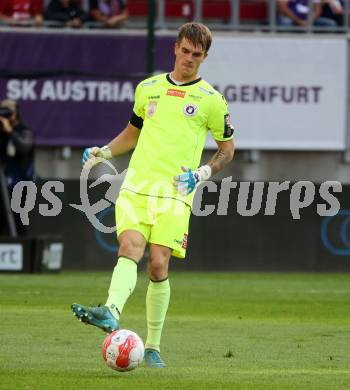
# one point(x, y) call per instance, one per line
point(228, 127)
point(190, 109)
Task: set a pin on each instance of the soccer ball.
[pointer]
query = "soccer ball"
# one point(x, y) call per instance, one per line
point(123, 350)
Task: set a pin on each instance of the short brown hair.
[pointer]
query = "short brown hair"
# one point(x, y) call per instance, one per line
point(197, 33)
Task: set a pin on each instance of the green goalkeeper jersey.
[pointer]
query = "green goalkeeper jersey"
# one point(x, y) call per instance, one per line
point(176, 119)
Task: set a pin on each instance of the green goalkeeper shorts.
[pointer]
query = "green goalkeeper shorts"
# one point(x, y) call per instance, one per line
point(162, 221)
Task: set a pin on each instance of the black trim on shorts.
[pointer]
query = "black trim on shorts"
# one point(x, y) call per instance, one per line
point(182, 85)
point(129, 258)
point(136, 121)
point(159, 281)
point(153, 196)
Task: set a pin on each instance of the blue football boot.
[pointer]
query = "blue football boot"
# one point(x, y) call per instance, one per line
point(99, 316)
point(153, 359)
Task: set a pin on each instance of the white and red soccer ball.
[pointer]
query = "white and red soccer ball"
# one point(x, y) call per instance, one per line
point(123, 350)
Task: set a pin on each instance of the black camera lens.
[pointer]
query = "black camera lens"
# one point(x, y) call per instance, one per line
point(5, 112)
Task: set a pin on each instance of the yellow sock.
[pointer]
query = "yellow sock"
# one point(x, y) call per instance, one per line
point(122, 285)
point(157, 302)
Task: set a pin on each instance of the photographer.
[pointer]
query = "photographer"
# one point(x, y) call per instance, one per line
point(16, 154)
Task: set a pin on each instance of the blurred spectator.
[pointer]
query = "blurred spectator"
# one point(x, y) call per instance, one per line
point(296, 13)
point(21, 12)
point(67, 12)
point(334, 9)
point(111, 13)
point(16, 152)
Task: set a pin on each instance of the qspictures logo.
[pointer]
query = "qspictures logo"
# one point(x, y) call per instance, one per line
point(249, 198)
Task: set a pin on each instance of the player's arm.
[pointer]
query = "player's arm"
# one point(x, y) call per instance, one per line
point(186, 182)
point(222, 157)
point(125, 141)
point(121, 144)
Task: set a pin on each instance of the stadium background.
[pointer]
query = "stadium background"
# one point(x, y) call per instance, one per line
point(289, 99)
point(288, 95)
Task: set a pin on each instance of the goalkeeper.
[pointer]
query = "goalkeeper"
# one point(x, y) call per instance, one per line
point(167, 130)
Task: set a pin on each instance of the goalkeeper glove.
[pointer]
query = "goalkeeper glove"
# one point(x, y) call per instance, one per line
point(93, 156)
point(186, 182)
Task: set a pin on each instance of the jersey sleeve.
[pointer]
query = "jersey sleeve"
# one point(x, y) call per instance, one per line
point(139, 106)
point(219, 122)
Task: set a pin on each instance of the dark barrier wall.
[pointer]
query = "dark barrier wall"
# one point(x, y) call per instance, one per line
point(229, 242)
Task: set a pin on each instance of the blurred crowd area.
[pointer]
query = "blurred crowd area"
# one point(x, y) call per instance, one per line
point(249, 15)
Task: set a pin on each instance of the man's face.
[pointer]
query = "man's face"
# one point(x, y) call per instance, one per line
point(188, 58)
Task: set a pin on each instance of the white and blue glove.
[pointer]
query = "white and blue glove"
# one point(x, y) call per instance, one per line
point(93, 156)
point(186, 182)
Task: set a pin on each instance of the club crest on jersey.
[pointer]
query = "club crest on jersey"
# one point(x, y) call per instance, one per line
point(151, 109)
point(190, 109)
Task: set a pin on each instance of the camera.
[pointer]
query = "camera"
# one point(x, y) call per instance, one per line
point(5, 113)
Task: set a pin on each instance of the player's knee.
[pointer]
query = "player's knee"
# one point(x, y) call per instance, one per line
point(157, 268)
point(130, 248)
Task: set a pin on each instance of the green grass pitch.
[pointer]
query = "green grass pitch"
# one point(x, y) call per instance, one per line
point(223, 331)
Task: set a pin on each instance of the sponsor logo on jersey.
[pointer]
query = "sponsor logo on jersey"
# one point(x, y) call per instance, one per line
point(151, 109)
point(195, 97)
point(228, 127)
point(176, 92)
point(184, 241)
point(154, 97)
point(190, 109)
